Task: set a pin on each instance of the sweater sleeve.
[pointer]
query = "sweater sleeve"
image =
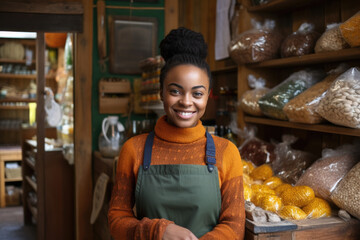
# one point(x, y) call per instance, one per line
point(231, 223)
point(122, 221)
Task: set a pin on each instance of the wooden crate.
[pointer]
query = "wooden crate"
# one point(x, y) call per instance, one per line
point(114, 96)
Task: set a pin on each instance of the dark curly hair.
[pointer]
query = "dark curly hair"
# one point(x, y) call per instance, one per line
point(183, 46)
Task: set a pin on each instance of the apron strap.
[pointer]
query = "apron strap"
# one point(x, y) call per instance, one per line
point(148, 150)
point(210, 151)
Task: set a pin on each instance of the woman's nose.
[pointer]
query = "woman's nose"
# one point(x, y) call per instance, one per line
point(186, 100)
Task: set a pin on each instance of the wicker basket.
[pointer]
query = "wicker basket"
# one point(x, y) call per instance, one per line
point(11, 173)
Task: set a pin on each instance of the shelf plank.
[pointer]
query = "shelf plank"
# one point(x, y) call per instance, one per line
point(14, 107)
point(325, 128)
point(22, 76)
point(225, 70)
point(310, 59)
point(19, 179)
point(30, 163)
point(17, 99)
point(31, 183)
point(282, 5)
point(23, 61)
point(33, 210)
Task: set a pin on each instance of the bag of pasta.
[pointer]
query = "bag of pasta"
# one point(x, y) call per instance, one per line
point(272, 103)
point(331, 39)
point(260, 43)
point(326, 172)
point(301, 42)
point(249, 99)
point(302, 108)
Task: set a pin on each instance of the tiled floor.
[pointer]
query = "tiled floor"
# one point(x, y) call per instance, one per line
point(12, 225)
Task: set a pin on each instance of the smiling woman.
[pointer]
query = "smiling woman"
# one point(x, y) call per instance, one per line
point(183, 182)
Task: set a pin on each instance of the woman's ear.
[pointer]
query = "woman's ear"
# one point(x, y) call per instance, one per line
point(161, 95)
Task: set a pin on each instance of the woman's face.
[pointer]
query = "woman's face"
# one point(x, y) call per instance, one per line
point(185, 94)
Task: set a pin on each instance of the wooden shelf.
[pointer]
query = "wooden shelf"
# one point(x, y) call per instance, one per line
point(225, 70)
point(325, 128)
point(33, 210)
point(31, 183)
point(310, 59)
point(19, 179)
point(22, 76)
point(14, 99)
point(23, 61)
point(282, 5)
point(30, 163)
point(14, 107)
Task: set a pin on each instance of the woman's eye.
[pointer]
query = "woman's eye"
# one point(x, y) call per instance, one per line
point(198, 94)
point(174, 91)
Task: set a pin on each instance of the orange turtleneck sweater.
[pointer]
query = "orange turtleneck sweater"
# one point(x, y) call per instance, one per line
point(173, 145)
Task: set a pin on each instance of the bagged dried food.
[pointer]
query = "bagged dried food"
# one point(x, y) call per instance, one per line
point(325, 173)
point(301, 42)
point(341, 103)
point(347, 194)
point(272, 103)
point(262, 172)
point(292, 213)
point(273, 182)
point(331, 40)
point(350, 30)
point(302, 108)
point(271, 203)
point(260, 43)
point(317, 208)
point(299, 196)
point(290, 163)
point(249, 99)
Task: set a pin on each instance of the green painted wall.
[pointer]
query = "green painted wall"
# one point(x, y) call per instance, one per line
point(112, 9)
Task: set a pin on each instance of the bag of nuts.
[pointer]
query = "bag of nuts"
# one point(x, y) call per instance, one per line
point(341, 103)
point(258, 44)
point(350, 30)
point(347, 194)
point(272, 103)
point(249, 99)
point(300, 42)
point(331, 39)
point(302, 108)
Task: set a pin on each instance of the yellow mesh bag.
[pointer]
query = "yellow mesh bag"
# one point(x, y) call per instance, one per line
point(262, 172)
point(271, 203)
point(317, 208)
point(257, 198)
point(299, 196)
point(273, 182)
point(247, 192)
point(292, 213)
point(247, 179)
point(259, 188)
point(279, 189)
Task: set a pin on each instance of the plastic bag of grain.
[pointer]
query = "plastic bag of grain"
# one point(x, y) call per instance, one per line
point(341, 103)
point(325, 173)
point(256, 150)
point(350, 30)
point(347, 194)
point(249, 99)
point(272, 103)
point(331, 40)
point(290, 163)
point(260, 43)
point(302, 108)
point(300, 42)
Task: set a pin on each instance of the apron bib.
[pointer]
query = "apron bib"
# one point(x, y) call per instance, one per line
point(186, 194)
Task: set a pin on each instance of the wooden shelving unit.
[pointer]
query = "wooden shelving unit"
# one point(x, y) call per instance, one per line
point(282, 5)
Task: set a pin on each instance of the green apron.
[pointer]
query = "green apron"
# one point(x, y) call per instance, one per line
point(187, 194)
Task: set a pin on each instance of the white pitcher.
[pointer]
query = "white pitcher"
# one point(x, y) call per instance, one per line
point(112, 137)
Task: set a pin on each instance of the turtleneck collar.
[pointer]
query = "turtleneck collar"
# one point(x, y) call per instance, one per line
point(171, 133)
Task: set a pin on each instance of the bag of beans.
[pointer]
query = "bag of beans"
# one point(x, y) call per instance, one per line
point(272, 103)
point(260, 43)
point(326, 172)
point(341, 103)
point(301, 42)
point(256, 150)
point(350, 30)
point(249, 99)
point(347, 193)
point(302, 108)
point(331, 39)
point(290, 163)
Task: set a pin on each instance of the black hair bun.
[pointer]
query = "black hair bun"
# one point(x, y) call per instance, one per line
point(183, 41)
